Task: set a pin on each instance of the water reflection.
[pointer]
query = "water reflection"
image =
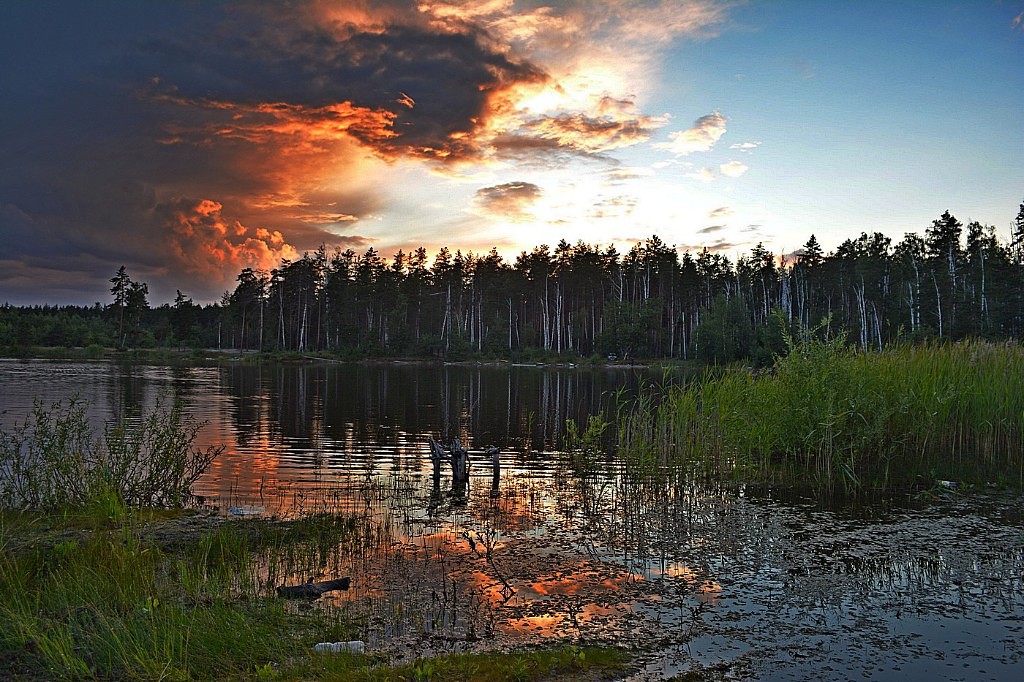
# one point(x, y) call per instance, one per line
point(519, 408)
point(556, 547)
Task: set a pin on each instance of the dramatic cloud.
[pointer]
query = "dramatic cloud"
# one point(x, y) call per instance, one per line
point(511, 200)
point(195, 138)
point(706, 131)
point(733, 169)
point(205, 244)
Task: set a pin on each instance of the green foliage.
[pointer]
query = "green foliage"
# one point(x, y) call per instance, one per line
point(837, 418)
point(569, 662)
point(652, 302)
point(54, 460)
point(587, 446)
point(725, 333)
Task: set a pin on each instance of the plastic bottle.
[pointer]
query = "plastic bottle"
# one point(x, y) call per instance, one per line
point(352, 647)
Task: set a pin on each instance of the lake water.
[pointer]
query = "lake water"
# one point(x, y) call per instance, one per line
point(758, 586)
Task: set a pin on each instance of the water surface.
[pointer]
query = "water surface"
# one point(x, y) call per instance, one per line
point(760, 586)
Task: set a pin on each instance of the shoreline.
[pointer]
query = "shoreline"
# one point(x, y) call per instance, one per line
point(171, 356)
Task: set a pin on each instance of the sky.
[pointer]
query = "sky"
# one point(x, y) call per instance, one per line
point(189, 139)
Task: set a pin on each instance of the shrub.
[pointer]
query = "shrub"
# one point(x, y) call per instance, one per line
point(55, 460)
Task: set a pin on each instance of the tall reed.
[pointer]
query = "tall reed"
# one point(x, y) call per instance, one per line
point(834, 417)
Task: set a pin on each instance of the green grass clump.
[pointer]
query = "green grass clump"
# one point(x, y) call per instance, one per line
point(105, 602)
point(837, 418)
point(568, 662)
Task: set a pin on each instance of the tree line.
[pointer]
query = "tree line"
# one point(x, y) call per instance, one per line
point(578, 300)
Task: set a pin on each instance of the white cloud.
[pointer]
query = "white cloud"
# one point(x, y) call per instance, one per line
point(745, 146)
point(706, 131)
point(733, 169)
point(704, 175)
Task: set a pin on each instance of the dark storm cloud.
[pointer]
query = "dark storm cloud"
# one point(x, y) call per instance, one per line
point(121, 118)
point(511, 200)
point(711, 229)
point(448, 78)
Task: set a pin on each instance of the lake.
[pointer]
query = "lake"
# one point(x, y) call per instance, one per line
point(755, 584)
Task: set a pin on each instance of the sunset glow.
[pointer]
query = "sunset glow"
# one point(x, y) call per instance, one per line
point(191, 140)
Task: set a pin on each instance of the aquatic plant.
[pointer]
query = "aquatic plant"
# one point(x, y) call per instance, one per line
point(54, 459)
point(837, 418)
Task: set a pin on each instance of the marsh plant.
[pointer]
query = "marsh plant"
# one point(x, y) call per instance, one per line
point(128, 602)
point(55, 459)
point(837, 418)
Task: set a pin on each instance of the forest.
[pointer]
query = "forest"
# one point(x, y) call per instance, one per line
point(576, 300)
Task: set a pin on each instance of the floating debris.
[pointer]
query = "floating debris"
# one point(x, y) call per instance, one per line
point(247, 510)
point(351, 647)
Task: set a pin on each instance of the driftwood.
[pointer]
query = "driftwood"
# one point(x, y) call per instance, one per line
point(312, 590)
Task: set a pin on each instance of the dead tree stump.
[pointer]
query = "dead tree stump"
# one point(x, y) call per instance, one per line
point(460, 462)
point(436, 455)
point(457, 455)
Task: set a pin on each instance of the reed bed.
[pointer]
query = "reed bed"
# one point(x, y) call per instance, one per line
point(838, 419)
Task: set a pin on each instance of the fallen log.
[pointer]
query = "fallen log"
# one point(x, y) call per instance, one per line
point(312, 590)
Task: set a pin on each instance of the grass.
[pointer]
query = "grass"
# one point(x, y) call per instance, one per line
point(87, 598)
point(839, 419)
point(569, 662)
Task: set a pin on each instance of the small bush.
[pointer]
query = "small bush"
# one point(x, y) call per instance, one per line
point(54, 460)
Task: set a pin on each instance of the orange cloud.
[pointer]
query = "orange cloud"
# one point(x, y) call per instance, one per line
point(293, 128)
point(305, 106)
point(206, 244)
